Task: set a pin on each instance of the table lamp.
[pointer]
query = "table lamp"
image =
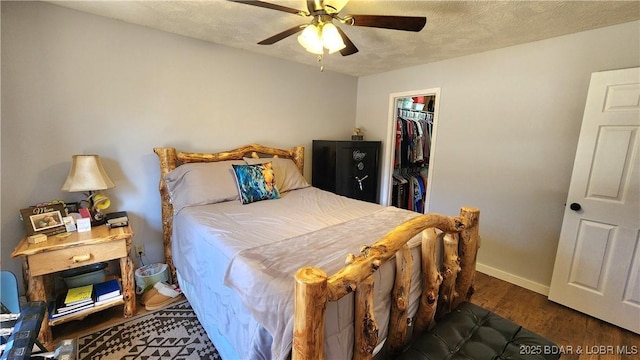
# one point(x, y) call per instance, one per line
point(87, 175)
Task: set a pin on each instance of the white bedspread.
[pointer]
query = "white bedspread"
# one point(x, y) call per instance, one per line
point(206, 239)
point(263, 275)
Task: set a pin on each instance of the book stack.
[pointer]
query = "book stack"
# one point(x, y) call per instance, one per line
point(86, 297)
point(76, 299)
point(107, 292)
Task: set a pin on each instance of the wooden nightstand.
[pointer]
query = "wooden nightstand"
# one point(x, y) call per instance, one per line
point(75, 250)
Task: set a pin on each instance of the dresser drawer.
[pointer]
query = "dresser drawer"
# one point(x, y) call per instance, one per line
point(71, 257)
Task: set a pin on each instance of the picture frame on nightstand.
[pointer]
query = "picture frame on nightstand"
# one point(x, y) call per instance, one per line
point(44, 219)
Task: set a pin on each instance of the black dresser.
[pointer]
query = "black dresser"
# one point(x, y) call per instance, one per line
point(348, 168)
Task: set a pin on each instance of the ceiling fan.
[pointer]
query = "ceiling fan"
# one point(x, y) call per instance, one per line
point(321, 33)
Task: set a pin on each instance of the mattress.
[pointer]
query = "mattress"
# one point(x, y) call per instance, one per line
point(210, 240)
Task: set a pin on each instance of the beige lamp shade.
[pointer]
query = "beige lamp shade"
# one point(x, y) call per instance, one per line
point(87, 174)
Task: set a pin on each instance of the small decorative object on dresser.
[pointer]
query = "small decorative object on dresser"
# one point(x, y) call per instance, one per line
point(44, 219)
point(358, 134)
point(37, 238)
point(84, 224)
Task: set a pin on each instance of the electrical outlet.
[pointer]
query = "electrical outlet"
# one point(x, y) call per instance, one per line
point(139, 250)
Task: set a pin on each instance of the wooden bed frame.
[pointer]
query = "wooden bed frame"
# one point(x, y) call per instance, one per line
point(448, 278)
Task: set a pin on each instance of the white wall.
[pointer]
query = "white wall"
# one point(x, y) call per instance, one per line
point(508, 128)
point(75, 83)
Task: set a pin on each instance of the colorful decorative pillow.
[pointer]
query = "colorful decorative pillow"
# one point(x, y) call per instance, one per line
point(288, 176)
point(256, 182)
point(202, 183)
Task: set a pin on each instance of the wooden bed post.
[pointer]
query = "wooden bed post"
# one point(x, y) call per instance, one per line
point(451, 269)
point(365, 327)
point(397, 333)
point(468, 251)
point(167, 157)
point(432, 278)
point(298, 157)
point(309, 314)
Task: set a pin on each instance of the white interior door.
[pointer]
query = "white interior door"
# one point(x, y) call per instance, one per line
point(597, 268)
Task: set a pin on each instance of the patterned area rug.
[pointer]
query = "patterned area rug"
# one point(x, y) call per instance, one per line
point(170, 333)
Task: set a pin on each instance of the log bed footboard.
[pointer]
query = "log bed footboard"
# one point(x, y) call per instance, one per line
point(445, 284)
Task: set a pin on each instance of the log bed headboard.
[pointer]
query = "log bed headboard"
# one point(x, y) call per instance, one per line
point(170, 159)
point(447, 280)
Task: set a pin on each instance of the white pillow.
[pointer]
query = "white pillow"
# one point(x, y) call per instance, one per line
point(202, 183)
point(288, 177)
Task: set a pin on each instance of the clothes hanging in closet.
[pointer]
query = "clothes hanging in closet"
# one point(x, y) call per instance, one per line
point(412, 152)
point(409, 189)
point(413, 142)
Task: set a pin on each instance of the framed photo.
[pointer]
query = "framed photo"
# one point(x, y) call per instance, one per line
point(44, 219)
point(72, 207)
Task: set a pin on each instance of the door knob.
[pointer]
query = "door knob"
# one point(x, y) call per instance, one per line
point(575, 206)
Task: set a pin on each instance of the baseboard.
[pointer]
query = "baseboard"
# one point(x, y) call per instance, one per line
point(513, 279)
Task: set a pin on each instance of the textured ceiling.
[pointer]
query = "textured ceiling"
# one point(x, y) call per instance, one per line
point(454, 28)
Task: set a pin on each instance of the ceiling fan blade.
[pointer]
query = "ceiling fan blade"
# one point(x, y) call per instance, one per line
point(271, 6)
point(406, 23)
point(279, 36)
point(350, 47)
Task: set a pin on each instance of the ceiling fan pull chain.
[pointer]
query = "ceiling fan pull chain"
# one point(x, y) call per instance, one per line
point(321, 64)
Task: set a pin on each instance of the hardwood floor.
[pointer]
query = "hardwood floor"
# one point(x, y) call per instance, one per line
point(573, 331)
point(570, 329)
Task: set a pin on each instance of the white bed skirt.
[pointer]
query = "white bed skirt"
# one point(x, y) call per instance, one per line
point(205, 314)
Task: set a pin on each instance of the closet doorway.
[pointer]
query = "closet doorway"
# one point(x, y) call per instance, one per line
point(409, 154)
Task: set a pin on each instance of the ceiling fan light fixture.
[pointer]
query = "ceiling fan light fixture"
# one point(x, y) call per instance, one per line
point(310, 39)
point(320, 33)
point(331, 38)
